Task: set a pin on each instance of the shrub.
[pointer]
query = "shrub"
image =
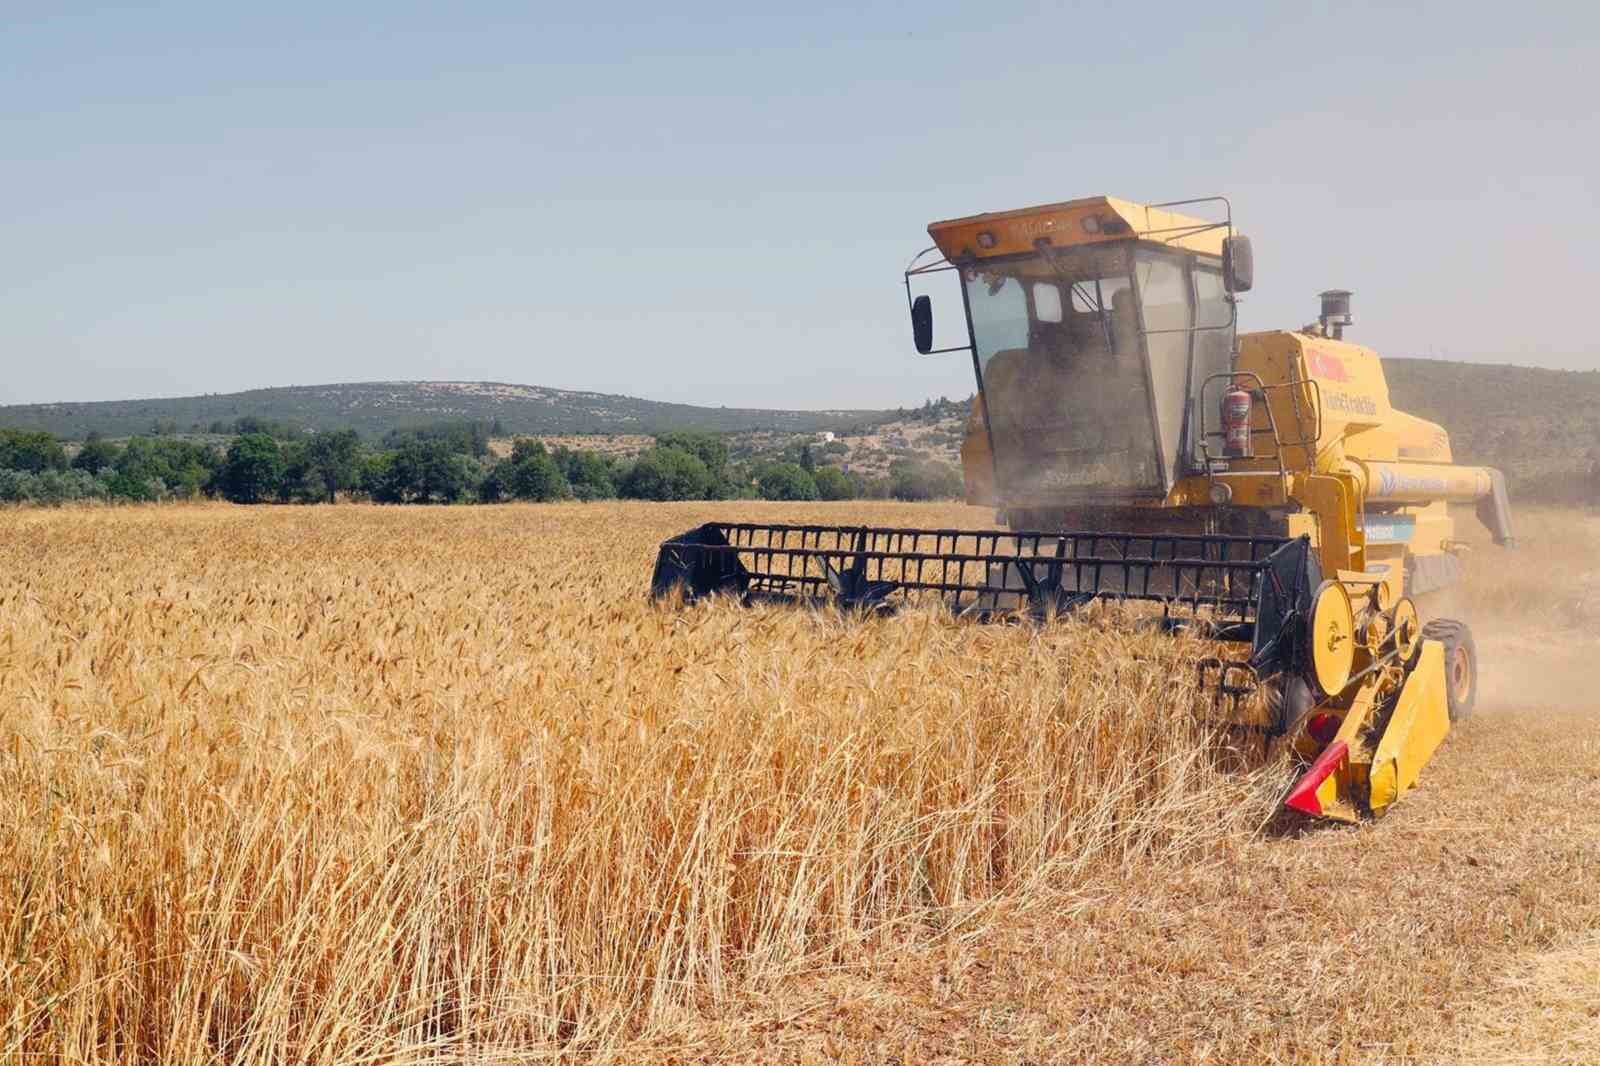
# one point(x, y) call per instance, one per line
point(923, 479)
point(460, 436)
point(253, 469)
point(786, 481)
point(529, 474)
point(333, 462)
point(668, 474)
point(30, 451)
point(15, 486)
point(183, 468)
point(588, 473)
point(273, 429)
point(871, 488)
point(96, 455)
point(422, 471)
point(50, 486)
point(710, 448)
point(833, 484)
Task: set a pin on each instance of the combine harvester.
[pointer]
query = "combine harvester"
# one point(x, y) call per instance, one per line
point(1258, 489)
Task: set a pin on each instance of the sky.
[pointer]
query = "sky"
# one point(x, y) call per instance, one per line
point(714, 202)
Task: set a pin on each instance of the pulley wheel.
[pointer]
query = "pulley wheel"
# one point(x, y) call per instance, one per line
point(1406, 631)
point(1332, 654)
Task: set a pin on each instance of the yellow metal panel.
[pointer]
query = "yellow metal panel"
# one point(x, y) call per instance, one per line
point(1339, 539)
point(1093, 220)
point(1169, 227)
point(1426, 482)
point(1418, 440)
point(1274, 358)
point(1416, 729)
point(1248, 489)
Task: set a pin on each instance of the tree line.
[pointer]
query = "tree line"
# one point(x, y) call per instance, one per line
point(448, 462)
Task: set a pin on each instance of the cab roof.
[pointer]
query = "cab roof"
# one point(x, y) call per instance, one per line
point(1093, 220)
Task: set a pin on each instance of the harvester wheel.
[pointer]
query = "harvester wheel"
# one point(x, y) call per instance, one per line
point(1331, 637)
point(1460, 664)
point(1406, 632)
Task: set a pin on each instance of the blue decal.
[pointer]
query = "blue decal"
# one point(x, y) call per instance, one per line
point(1393, 528)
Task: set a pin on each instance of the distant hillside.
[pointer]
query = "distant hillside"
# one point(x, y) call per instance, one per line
point(1542, 427)
point(375, 407)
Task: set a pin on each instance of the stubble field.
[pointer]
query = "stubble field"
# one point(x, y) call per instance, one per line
point(359, 784)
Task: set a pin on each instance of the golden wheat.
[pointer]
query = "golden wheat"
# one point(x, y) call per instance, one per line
point(364, 784)
point(353, 782)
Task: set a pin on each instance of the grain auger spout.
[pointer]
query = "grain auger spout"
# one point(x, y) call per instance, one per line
point(1257, 489)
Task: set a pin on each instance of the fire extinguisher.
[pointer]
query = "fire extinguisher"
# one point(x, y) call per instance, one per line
point(1236, 405)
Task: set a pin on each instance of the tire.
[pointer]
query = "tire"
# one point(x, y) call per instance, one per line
point(1460, 664)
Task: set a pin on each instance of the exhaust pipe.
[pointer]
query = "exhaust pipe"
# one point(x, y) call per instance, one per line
point(1335, 312)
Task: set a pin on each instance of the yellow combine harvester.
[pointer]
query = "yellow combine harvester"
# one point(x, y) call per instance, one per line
point(1257, 488)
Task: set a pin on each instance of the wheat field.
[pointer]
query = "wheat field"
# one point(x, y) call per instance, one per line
point(356, 784)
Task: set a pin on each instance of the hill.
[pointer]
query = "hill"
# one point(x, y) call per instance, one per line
point(1542, 427)
point(375, 407)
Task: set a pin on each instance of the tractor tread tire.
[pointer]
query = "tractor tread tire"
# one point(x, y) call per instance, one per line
point(1461, 685)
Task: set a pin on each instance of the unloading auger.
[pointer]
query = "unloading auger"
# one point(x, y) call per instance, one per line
point(1256, 489)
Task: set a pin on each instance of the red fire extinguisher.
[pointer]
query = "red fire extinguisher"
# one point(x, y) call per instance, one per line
point(1236, 404)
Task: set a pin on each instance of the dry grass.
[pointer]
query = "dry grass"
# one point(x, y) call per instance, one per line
point(360, 784)
point(1548, 1010)
point(620, 445)
point(345, 783)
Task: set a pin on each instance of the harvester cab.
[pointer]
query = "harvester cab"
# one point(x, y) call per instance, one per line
point(1258, 489)
point(1093, 328)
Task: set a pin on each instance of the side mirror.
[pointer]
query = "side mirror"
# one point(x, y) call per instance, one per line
point(1238, 264)
point(922, 324)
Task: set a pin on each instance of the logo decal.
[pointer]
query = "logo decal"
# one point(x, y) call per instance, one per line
point(1325, 365)
point(1345, 403)
point(1388, 528)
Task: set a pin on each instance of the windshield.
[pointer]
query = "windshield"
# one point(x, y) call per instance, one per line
point(1062, 368)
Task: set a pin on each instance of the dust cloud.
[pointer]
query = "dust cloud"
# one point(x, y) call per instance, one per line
point(1534, 612)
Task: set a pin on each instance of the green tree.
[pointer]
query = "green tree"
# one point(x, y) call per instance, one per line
point(30, 451)
point(527, 448)
point(277, 430)
point(253, 468)
point(50, 486)
point(376, 480)
point(530, 473)
point(295, 483)
point(710, 448)
point(422, 471)
point(96, 455)
point(461, 436)
point(786, 481)
point(136, 474)
point(333, 461)
point(808, 462)
point(923, 479)
point(668, 474)
point(150, 468)
point(833, 484)
point(589, 474)
point(870, 488)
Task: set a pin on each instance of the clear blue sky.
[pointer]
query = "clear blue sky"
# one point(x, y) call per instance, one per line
point(713, 202)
